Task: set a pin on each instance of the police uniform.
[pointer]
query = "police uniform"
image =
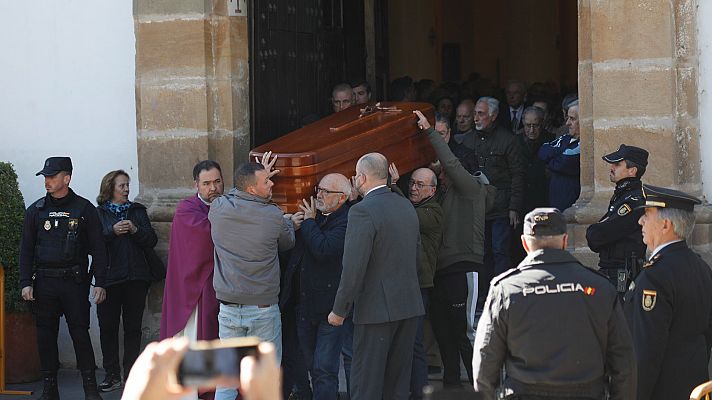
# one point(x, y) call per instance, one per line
point(555, 325)
point(57, 237)
point(617, 237)
point(669, 312)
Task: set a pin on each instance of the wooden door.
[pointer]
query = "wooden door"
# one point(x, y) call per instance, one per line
point(299, 49)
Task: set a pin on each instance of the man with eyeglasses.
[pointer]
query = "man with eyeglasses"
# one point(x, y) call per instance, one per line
point(312, 277)
point(422, 187)
point(536, 183)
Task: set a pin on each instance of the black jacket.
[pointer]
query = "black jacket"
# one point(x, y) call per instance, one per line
point(314, 267)
point(499, 156)
point(126, 257)
point(617, 236)
point(669, 312)
point(45, 227)
point(559, 329)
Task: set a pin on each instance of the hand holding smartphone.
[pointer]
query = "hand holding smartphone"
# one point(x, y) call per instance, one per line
point(208, 364)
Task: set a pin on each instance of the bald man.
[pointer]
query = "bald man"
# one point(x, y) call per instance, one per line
point(311, 280)
point(421, 192)
point(380, 283)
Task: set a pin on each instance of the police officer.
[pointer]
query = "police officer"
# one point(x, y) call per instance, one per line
point(556, 325)
point(59, 232)
point(616, 237)
point(668, 306)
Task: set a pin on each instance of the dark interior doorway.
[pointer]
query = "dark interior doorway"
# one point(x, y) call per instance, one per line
point(299, 49)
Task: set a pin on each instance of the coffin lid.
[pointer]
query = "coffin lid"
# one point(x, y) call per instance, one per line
point(332, 136)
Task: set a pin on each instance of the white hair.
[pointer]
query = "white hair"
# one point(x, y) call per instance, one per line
point(683, 222)
point(492, 104)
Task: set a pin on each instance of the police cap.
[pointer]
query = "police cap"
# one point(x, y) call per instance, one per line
point(544, 222)
point(630, 153)
point(667, 198)
point(54, 165)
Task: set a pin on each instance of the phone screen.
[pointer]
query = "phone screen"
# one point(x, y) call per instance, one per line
point(207, 362)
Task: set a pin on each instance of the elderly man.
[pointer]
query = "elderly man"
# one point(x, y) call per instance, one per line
point(563, 161)
point(248, 230)
point(669, 307)
point(499, 157)
point(617, 237)
point(362, 92)
point(556, 326)
point(512, 120)
point(422, 186)
point(312, 278)
point(380, 282)
point(464, 123)
point(190, 308)
point(463, 200)
point(342, 97)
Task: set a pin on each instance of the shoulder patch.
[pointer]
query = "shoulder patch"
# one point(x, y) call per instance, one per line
point(40, 203)
point(649, 299)
point(624, 209)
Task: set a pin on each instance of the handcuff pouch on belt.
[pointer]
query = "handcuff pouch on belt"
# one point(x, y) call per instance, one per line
point(75, 272)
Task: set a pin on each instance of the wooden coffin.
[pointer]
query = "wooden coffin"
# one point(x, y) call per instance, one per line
point(335, 143)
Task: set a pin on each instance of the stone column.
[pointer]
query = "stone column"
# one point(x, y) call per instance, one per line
point(637, 85)
point(192, 103)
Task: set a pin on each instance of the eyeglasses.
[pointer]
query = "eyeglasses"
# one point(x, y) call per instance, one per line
point(418, 185)
point(532, 126)
point(319, 189)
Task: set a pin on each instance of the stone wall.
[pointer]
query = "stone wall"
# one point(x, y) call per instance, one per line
point(192, 103)
point(638, 66)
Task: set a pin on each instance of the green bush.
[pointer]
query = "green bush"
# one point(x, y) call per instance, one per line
point(12, 213)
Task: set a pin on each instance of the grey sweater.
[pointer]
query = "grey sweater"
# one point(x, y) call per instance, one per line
point(248, 231)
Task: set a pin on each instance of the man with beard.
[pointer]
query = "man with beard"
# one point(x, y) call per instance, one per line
point(189, 305)
point(617, 237)
point(248, 231)
point(312, 278)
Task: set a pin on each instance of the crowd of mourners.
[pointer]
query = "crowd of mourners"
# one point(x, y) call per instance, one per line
point(395, 277)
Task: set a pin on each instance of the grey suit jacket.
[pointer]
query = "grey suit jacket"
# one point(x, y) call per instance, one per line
point(380, 278)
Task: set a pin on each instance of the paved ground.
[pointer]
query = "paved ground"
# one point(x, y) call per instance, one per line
point(70, 386)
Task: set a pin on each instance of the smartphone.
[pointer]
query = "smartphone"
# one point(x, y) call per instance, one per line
point(210, 361)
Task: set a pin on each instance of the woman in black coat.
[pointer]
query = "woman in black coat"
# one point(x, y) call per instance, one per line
point(128, 234)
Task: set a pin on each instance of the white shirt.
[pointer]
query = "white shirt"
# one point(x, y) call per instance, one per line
point(372, 189)
point(662, 246)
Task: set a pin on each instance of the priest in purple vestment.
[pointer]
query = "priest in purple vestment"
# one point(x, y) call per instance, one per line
point(190, 307)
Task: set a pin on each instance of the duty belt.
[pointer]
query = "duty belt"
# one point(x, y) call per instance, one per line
point(59, 272)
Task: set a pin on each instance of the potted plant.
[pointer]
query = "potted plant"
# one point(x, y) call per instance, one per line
point(21, 357)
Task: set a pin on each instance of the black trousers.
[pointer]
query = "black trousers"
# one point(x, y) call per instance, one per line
point(123, 301)
point(448, 316)
point(383, 356)
point(55, 297)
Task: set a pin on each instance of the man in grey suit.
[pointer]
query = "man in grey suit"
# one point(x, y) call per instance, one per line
point(380, 282)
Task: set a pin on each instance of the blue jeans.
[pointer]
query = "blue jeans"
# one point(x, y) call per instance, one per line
point(498, 234)
point(347, 350)
point(321, 346)
point(419, 370)
point(242, 320)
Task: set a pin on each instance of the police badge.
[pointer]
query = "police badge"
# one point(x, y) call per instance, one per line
point(47, 225)
point(649, 298)
point(623, 210)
